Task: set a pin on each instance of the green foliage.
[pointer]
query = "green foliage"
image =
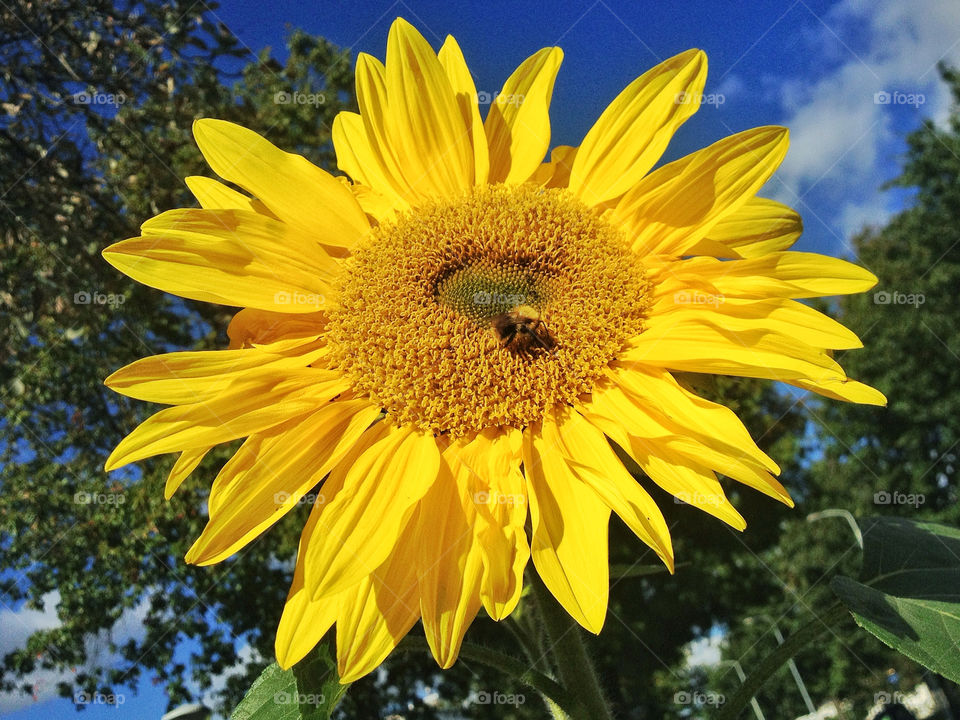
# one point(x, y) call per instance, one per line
point(909, 590)
point(307, 691)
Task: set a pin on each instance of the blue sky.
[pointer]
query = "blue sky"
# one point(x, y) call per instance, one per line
point(823, 68)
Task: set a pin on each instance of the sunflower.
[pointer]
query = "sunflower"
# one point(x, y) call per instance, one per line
point(464, 337)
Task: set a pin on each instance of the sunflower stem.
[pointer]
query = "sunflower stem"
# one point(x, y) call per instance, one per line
point(574, 667)
point(833, 615)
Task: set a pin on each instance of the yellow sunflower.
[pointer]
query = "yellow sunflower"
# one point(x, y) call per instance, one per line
point(456, 340)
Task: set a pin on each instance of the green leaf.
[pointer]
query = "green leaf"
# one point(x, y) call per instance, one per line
point(909, 590)
point(310, 690)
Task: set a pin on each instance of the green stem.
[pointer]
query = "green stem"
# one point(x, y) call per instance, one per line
point(546, 686)
point(573, 664)
point(834, 615)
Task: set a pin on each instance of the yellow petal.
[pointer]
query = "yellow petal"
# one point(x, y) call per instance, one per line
point(757, 227)
point(376, 615)
point(229, 257)
point(707, 434)
point(269, 475)
point(786, 317)
point(593, 461)
point(780, 274)
point(304, 621)
point(298, 192)
point(372, 499)
point(556, 173)
point(677, 205)
point(213, 195)
point(185, 464)
point(424, 125)
point(252, 326)
point(570, 524)
point(363, 162)
point(634, 130)
point(848, 390)
point(518, 124)
point(490, 466)
point(247, 406)
point(455, 66)
point(697, 345)
point(449, 561)
point(181, 378)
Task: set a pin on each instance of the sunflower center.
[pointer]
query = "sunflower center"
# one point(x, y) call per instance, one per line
point(430, 307)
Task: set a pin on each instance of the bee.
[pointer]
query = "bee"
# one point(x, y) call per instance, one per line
point(522, 331)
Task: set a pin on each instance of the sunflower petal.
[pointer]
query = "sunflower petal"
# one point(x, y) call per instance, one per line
point(518, 124)
point(757, 227)
point(425, 126)
point(490, 464)
point(570, 525)
point(634, 130)
point(181, 378)
point(268, 476)
point(380, 611)
point(594, 462)
point(228, 257)
point(213, 195)
point(455, 66)
point(373, 497)
point(247, 406)
point(358, 158)
point(185, 464)
point(297, 191)
point(677, 205)
point(449, 561)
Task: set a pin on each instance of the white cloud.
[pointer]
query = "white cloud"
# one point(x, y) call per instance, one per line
point(843, 140)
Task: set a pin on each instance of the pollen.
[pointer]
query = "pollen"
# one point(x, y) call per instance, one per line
point(413, 322)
